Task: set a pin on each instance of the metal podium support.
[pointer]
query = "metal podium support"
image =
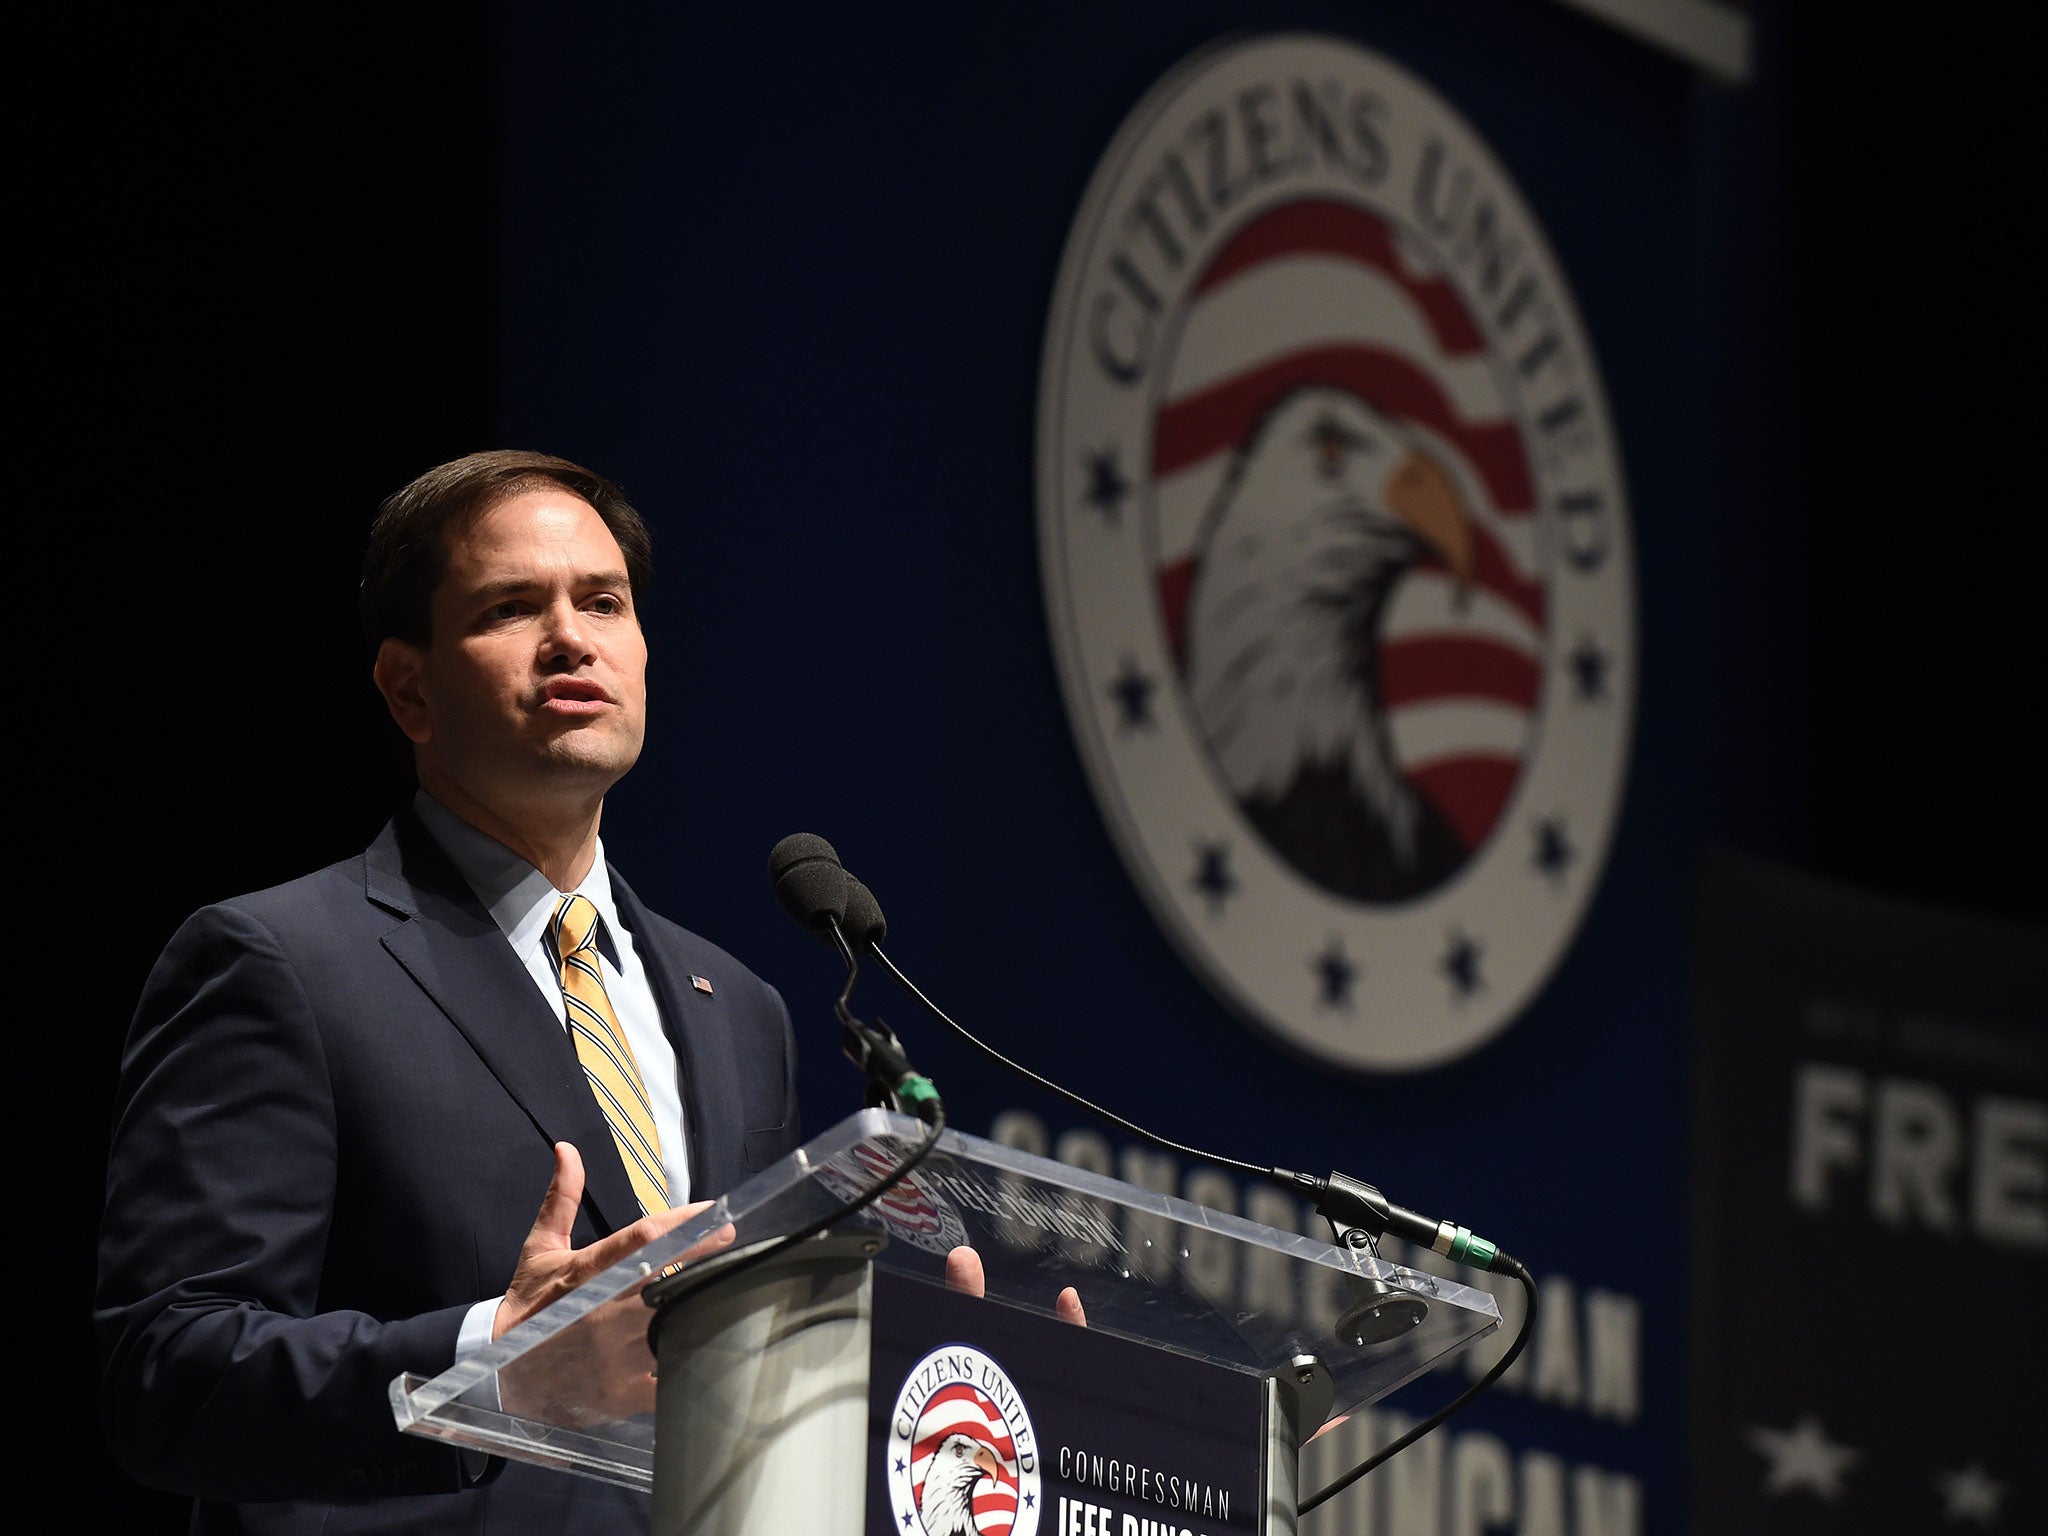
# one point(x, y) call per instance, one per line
point(762, 1396)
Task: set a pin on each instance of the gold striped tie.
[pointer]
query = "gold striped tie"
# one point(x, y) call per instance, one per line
point(607, 1058)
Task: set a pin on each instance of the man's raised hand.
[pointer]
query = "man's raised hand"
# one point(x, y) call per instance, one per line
point(549, 1268)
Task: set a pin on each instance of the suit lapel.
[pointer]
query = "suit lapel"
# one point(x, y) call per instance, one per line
point(704, 1054)
point(448, 944)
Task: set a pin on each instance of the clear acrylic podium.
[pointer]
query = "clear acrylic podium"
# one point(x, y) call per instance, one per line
point(763, 1395)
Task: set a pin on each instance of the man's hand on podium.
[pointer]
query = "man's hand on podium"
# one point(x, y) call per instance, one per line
point(964, 1273)
point(550, 1269)
point(601, 1370)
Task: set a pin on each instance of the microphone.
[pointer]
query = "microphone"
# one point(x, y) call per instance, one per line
point(863, 922)
point(1353, 1204)
point(1359, 1214)
point(1357, 1210)
point(813, 887)
point(810, 883)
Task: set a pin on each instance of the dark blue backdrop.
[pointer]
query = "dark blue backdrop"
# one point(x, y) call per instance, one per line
point(788, 282)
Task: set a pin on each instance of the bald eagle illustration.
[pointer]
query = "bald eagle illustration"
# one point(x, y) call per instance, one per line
point(1327, 506)
point(947, 1504)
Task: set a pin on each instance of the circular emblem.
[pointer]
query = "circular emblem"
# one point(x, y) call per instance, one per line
point(962, 1458)
point(1336, 550)
point(908, 1210)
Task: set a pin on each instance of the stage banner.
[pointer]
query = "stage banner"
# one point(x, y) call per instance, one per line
point(1871, 1213)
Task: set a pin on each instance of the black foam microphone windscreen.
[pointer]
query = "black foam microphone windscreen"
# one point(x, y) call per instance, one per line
point(863, 923)
point(809, 881)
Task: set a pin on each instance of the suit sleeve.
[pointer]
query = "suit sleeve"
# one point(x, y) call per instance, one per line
point(791, 1119)
point(221, 1374)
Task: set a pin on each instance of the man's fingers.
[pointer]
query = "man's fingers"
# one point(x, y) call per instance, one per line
point(557, 1216)
point(607, 1251)
point(709, 1244)
point(964, 1272)
point(550, 1268)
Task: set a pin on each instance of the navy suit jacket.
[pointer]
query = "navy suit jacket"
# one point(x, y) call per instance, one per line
point(332, 1133)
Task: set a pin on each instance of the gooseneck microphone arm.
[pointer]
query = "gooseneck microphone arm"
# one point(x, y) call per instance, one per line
point(813, 887)
point(875, 1049)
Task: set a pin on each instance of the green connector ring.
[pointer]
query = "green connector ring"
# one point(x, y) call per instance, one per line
point(1476, 1251)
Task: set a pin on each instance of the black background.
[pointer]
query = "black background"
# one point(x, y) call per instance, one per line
point(263, 298)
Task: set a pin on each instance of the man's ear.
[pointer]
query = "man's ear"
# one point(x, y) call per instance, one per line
point(398, 671)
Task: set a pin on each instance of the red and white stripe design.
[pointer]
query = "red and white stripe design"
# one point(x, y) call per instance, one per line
point(905, 1203)
point(1323, 292)
point(964, 1409)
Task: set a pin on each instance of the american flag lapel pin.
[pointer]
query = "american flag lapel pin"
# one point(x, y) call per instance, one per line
point(702, 984)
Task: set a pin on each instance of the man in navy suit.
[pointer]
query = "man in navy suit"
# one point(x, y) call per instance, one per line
point(352, 1136)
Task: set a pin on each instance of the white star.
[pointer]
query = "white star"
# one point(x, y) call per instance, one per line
point(1802, 1457)
point(1970, 1494)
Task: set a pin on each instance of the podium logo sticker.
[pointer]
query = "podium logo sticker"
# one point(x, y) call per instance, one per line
point(910, 1210)
point(962, 1458)
point(1336, 550)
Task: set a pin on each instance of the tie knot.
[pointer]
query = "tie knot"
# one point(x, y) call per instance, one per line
point(575, 924)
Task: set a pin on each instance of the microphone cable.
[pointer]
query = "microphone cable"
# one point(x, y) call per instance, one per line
point(1494, 1373)
point(660, 1298)
point(1357, 1212)
point(1161, 1142)
point(1356, 1200)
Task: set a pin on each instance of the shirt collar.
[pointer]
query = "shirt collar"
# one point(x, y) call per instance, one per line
point(520, 899)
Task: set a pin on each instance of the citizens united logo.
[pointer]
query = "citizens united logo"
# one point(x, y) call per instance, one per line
point(1336, 550)
point(908, 1210)
point(962, 1458)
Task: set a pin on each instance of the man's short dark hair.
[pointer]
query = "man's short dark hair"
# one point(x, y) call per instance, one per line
point(408, 553)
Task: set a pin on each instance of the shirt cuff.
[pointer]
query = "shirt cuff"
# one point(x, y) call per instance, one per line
point(475, 1332)
point(477, 1466)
